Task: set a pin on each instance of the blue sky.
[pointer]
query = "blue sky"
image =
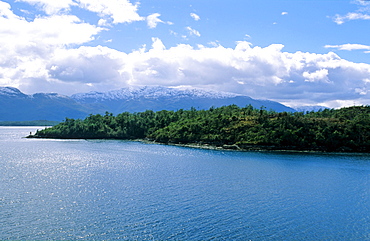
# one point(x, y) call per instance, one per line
point(301, 52)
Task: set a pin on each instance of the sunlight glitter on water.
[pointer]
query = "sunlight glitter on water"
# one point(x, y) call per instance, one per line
point(68, 190)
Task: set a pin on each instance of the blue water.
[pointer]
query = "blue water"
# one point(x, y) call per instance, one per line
point(107, 190)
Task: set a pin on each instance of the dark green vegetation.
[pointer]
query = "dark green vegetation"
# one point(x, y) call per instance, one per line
point(346, 129)
point(29, 123)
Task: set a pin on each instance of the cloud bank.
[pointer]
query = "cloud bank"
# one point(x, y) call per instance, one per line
point(43, 56)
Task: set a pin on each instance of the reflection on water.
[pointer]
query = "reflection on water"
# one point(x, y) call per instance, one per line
point(103, 190)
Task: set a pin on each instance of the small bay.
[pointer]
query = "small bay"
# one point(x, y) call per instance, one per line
point(111, 189)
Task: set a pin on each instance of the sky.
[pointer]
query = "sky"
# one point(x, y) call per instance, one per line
point(296, 52)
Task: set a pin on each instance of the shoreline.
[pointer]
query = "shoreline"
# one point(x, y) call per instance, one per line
point(251, 148)
point(222, 147)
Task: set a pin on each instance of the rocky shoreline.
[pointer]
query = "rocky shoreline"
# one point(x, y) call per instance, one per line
point(223, 147)
point(234, 147)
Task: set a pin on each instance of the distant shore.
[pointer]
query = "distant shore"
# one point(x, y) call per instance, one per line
point(29, 123)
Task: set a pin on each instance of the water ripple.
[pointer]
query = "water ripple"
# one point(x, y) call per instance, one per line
point(108, 190)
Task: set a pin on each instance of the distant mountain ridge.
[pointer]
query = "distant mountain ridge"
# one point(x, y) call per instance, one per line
point(151, 92)
point(310, 108)
point(156, 98)
point(17, 106)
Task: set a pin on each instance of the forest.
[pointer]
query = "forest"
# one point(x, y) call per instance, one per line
point(229, 127)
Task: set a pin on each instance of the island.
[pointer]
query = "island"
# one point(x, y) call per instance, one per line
point(229, 127)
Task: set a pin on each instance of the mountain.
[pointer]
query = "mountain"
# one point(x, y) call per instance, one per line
point(310, 108)
point(17, 106)
point(137, 99)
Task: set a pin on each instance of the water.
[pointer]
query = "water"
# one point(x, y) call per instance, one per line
point(107, 190)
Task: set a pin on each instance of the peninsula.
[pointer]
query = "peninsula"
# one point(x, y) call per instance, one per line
point(229, 127)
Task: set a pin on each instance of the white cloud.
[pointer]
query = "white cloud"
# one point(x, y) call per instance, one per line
point(157, 45)
point(362, 13)
point(42, 55)
point(103, 22)
point(153, 20)
point(121, 11)
point(267, 73)
point(86, 65)
point(363, 2)
point(5, 11)
point(318, 75)
point(26, 47)
point(257, 72)
point(69, 71)
point(349, 47)
point(51, 6)
point(284, 13)
point(195, 16)
point(193, 31)
point(44, 31)
point(339, 19)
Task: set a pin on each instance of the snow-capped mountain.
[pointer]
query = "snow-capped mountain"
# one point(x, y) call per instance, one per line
point(17, 106)
point(141, 98)
point(152, 92)
point(11, 92)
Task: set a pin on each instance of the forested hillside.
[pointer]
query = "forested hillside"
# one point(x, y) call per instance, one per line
point(346, 129)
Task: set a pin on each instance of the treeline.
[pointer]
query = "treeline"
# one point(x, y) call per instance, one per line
point(346, 129)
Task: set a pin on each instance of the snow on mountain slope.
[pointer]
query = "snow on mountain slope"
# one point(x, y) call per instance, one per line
point(156, 98)
point(152, 92)
point(16, 106)
point(11, 92)
point(50, 96)
point(14, 92)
